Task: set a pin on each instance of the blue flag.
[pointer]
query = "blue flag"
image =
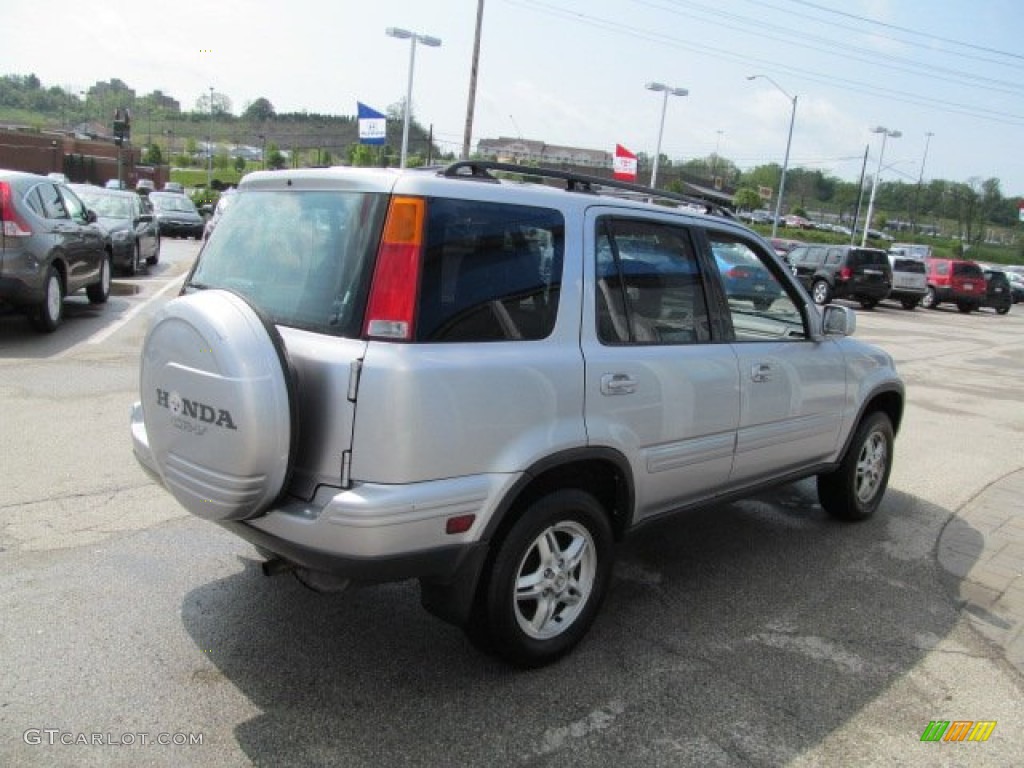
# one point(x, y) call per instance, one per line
point(372, 125)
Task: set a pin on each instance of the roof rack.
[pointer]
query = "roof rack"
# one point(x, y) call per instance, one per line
point(479, 170)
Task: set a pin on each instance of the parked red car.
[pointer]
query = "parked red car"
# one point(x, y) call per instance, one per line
point(954, 281)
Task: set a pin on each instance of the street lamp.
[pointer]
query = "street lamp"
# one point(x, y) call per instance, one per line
point(920, 181)
point(413, 37)
point(665, 91)
point(789, 143)
point(209, 148)
point(263, 151)
point(886, 133)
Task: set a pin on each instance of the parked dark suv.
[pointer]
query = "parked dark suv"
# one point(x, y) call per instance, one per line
point(998, 292)
point(954, 281)
point(375, 375)
point(843, 272)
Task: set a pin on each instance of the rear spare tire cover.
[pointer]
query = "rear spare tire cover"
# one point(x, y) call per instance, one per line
point(218, 405)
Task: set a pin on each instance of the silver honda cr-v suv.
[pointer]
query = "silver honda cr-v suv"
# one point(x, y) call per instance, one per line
point(449, 375)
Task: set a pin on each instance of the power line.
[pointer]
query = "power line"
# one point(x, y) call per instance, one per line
point(944, 104)
point(909, 31)
point(803, 38)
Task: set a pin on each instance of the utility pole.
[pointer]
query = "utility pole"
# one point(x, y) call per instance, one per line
point(468, 135)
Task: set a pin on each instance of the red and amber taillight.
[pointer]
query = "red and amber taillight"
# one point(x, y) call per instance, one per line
point(13, 224)
point(391, 309)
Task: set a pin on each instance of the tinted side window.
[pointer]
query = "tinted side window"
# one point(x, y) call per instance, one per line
point(649, 288)
point(491, 272)
point(835, 256)
point(53, 203)
point(74, 207)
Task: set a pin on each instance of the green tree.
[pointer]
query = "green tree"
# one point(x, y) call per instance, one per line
point(361, 155)
point(747, 199)
point(153, 155)
point(275, 159)
point(240, 164)
point(259, 110)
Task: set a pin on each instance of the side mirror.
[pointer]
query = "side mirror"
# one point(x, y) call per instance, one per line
point(90, 216)
point(838, 321)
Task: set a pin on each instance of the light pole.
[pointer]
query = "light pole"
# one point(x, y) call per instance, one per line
point(789, 143)
point(263, 151)
point(920, 181)
point(413, 37)
point(665, 91)
point(209, 148)
point(886, 133)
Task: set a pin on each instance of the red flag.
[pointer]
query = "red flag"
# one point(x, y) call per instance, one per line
point(624, 164)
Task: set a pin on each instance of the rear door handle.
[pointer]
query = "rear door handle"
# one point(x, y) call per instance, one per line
point(617, 384)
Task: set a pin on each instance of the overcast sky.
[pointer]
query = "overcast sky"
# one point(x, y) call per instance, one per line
point(573, 71)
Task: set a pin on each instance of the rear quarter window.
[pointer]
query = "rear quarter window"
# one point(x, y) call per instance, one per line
point(491, 272)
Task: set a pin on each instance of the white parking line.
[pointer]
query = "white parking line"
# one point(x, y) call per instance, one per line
point(100, 336)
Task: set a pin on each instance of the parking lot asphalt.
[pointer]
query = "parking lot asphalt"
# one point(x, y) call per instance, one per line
point(991, 571)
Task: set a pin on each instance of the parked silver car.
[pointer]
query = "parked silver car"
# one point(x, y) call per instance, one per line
point(909, 280)
point(50, 247)
point(378, 375)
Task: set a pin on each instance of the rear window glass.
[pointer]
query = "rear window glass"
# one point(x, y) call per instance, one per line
point(869, 258)
point(304, 258)
point(908, 265)
point(491, 272)
point(965, 269)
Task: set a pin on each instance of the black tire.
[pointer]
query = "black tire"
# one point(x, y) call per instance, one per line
point(1003, 309)
point(762, 305)
point(869, 303)
point(47, 315)
point(929, 300)
point(909, 304)
point(155, 258)
point(821, 292)
point(99, 292)
point(854, 490)
point(530, 631)
point(965, 307)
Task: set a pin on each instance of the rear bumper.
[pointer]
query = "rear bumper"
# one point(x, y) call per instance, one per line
point(22, 277)
point(908, 293)
point(371, 532)
point(874, 291)
point(440, 564)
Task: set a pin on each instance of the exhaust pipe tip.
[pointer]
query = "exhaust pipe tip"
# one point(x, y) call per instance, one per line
point(275, 566)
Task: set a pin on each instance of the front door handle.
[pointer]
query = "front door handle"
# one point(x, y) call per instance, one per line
point(761, 372)
point(617, 384)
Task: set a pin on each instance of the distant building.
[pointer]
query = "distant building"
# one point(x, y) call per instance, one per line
point(512, 150)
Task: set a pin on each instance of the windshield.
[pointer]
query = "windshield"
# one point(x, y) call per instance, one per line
point(304, 258)
point(173, 203)
point(108, 206)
